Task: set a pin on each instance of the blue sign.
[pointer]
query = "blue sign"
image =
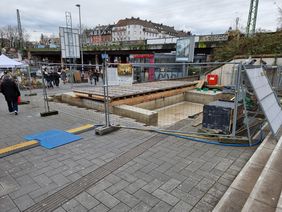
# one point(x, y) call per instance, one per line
point(105, 56)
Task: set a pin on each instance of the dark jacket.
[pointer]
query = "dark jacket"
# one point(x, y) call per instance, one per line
point(10, 89)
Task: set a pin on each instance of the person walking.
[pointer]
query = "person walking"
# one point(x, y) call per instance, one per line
point(10, 90)
point(64, 76)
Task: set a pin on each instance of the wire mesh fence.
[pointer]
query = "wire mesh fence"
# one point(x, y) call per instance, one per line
point(137, 94)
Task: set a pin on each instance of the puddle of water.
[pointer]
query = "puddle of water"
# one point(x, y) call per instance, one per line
point(174, 113)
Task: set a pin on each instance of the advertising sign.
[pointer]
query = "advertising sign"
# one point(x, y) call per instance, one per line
point(69, 42)
point(124, 69)
point(122, 75)
point(125, 74)
point(185, 49)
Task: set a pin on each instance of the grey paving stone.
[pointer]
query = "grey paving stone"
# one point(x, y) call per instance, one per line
point(100, 208)
point(43, 192)
point(208, 166)
point(6, 203)
point(128, 177)
point(42, 179)
point(220, 187)
point(60, 209)
point(149, 167)
point(141, 207)
point(210, 199)
point(87, 200)
point(133, 187)
point(196, 193)
point(175, 175)
point(205, 185)
point(117, 187)
point(166, 197)
point(134, 168)
point(107, 199)
point(215, 192)
point(208, 175)
point(187, 186)
point(181, 207)
point(202, 207)
point(191, 174)
point(228, 176)
point(24, 190)
point(24, 202)
point(8, 185)
point(146, 197)
point(121, 207)
point(152, 186)
point(60, 179)
point(186, 197)
point(161, 207)
point(160, 176)
point(25, 179)
point(73, 177)
point(170, 185)
point(224, 181)
point(127, 198)
point(112, 178)
point(70, 205)
point(78, 208)
point(195, 165)
point(100, 186)
point(14, 210)
point(141, 175)
point(88, 170)
point(84, 162)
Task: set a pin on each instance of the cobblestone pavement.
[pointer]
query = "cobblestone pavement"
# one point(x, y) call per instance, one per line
point(173, 175)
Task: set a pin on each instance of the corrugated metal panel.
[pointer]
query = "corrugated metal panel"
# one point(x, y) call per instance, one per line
point(266, 98)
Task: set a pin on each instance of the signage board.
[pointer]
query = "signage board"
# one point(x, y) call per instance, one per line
point(69, 38)
point(185, 49)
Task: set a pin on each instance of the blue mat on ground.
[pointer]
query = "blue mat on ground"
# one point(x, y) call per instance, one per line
point(53, 138)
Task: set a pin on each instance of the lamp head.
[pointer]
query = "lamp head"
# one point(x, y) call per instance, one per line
point(77, 5)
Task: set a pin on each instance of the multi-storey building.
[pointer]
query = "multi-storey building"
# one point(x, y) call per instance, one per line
point(101, 34)
point(137, 29)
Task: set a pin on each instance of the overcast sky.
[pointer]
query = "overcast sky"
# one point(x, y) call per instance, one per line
point(197, 16)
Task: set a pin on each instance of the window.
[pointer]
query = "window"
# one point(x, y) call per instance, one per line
point(129, 32)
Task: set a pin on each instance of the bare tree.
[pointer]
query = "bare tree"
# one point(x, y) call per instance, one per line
point(10, 38)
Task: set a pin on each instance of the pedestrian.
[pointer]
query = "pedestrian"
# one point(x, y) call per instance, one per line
point(56, 78)
point(64, 76)
point(91, 75)
point(10, 90)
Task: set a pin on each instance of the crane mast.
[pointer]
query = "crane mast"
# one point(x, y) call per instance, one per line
point(252, 18)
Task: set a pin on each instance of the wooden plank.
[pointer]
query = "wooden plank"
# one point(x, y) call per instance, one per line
point(135, 89)
point(200, 83)
point(198, 120)
point(150, 97)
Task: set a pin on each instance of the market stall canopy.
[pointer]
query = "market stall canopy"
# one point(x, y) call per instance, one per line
point(6, 62)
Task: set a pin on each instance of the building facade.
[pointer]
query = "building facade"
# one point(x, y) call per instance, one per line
point(101, 34)
point(137, 29)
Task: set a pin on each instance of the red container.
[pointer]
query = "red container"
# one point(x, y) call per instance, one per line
point(212, 79)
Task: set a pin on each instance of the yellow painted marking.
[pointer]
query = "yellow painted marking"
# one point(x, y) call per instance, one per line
point(18, 146)
point(82, 128)
point(34, 142)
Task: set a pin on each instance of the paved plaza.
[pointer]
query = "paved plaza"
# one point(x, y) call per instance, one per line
point(127, 170)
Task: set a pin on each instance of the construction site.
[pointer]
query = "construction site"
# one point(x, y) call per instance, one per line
point(171, 123)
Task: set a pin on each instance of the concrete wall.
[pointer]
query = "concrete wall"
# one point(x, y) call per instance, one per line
point(145, 116)
point(163, 102)
point(202, 97)
point(71, 99)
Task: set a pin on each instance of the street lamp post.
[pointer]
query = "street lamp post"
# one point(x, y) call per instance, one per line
point(80, 37)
